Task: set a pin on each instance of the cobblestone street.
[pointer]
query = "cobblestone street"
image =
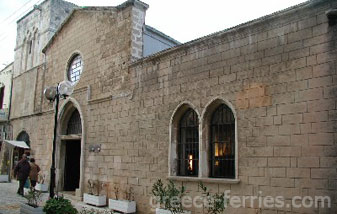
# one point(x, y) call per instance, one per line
point(9, 200)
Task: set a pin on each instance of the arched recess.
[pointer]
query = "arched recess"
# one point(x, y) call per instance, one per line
point(71, 135)
point(206, 118)
point(18, 152)
point(176, 117)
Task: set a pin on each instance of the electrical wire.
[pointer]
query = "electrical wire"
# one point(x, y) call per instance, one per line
point(16, 11)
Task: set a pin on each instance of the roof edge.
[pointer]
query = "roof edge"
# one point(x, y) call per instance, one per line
point(122, 6)
point(228, 30)
point(10, 64)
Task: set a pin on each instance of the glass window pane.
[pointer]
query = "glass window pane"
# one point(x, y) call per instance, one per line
point(188, 144)
point(222, 152)
point(75, 69)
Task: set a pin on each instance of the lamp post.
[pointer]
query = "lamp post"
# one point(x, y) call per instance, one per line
point(52, 94)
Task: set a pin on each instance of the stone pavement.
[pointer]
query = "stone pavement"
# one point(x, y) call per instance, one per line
point(10, 201)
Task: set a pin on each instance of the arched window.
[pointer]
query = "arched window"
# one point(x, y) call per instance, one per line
point(188, 144)
point(74, 124)
point(222, 149)
point(75, 68)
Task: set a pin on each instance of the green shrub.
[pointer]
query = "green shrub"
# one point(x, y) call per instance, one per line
point(169, 196)
point(33, 197)
point(59, 206)
point(216, 203)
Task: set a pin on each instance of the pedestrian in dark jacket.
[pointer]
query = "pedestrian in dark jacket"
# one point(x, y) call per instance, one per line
point(21, 172)
point(34, 171)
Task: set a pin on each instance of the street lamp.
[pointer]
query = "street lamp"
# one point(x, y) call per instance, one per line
point(63, 89)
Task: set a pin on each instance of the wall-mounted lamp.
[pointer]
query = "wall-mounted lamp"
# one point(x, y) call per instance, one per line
point(95, 148)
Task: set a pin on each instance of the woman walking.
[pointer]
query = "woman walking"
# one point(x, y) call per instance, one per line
point(34, 171)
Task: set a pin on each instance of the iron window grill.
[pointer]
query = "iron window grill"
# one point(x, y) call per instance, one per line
point(74, 124)
point(222, 150)
point(75, 69)
point(188, 145)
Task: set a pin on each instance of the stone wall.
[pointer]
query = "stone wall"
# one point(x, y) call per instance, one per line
point(277, 73)
point(34, 30)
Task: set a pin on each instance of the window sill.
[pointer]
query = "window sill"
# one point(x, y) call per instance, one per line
point(205, 180)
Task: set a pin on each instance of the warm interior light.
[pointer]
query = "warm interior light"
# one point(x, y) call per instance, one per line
point(216, 150)
point(190, 162)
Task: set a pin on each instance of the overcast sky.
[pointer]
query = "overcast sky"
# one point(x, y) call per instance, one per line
point(184, 20)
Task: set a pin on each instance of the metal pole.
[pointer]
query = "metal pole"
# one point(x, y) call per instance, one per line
point(52, 169)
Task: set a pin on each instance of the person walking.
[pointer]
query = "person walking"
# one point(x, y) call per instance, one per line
point(21, 172)
point(34, 171)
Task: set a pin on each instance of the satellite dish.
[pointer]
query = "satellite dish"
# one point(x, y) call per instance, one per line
point(50, 93)
point(65, 88)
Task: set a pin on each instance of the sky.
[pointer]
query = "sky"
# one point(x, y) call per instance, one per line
point(183, 20)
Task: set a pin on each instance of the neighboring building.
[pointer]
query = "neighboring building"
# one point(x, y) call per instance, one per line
point(5, 94)
point(251, 109)
point(155, 41)
point(6, 75)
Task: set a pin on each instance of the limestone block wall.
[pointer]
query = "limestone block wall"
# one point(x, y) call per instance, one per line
point(23, 97)
point(103, 55)
point(102, 36)
point(278, 73)
point(40, 131)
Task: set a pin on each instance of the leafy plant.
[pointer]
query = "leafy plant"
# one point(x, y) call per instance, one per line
point(116, 191)
point(129, 194)
point(59, 205)
point(33, 197)
point(215, 202)
point(41, 178)
point(169, 196)
point(95, 187)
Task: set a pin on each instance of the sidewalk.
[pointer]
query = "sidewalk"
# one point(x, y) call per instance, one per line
point(10, 201)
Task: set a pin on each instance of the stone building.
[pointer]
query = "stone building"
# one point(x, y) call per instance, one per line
point(5, 93)
point(34, 30)
point(251, 109)
point(5, 128)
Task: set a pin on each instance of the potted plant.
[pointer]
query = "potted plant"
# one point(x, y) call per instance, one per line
point(216, 203)
point(59, 205)
point(41, 186)
point(31, 207)
point(169, 198)
point(93, 197)
point(128, 205)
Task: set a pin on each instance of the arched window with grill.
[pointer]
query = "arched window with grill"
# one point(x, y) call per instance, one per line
point(75, 68)
point(222, 149)
point(74, 124)
point(188, 144)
